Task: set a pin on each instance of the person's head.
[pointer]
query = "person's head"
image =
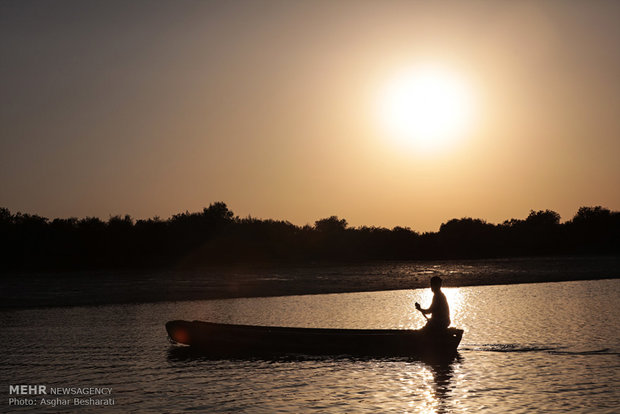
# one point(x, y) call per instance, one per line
point(435, 283)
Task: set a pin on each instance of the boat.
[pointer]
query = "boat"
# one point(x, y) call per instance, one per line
point(227, 339)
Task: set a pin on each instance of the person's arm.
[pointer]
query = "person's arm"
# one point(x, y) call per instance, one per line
point(424, 311)
point(430, 308)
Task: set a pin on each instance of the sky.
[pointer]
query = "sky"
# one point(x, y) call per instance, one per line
point(152, 108)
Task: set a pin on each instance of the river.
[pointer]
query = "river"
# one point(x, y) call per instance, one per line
point(544, 347)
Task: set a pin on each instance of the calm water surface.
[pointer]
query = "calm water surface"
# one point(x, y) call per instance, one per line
point(550, 347)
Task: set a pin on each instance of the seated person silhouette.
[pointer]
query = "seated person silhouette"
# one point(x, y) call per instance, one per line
point(439, 307)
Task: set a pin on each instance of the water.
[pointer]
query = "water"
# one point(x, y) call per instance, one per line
point(105, 287)
point(548, 347)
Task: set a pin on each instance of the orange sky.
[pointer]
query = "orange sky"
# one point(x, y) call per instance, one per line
point(153, 108)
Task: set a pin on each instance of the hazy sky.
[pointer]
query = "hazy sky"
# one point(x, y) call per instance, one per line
point(153, 108)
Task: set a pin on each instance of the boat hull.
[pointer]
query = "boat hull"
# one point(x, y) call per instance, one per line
point(218, 338)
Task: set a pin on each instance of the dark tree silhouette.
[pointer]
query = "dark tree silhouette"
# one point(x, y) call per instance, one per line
point(467, 237)
point(595, 230)
point(330, 225)
point(215, 236)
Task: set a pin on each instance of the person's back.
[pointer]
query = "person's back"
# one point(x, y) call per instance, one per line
point(440, 311)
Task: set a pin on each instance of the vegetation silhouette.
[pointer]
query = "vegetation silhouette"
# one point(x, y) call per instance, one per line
point(215, 236)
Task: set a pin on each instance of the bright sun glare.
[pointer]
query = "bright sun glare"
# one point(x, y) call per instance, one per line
point(428, 108)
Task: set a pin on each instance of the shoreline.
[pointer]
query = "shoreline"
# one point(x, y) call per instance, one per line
point(43, 290)
point(140, 301)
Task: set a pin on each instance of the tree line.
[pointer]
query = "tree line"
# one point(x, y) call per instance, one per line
point(215, 236)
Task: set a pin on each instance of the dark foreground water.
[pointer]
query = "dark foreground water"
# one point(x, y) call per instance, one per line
point(547, 347)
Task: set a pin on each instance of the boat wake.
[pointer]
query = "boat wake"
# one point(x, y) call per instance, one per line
point(550, 349)
point(604, 351)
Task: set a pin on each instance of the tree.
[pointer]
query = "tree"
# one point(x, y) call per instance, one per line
point(546, 218)
point(330, 225)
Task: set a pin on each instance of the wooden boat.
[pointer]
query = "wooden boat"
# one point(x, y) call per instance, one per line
point(218, 338)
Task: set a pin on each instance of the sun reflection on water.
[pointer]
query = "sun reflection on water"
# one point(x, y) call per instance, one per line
point(429, 402)
point(456, 301)
point(429, 386)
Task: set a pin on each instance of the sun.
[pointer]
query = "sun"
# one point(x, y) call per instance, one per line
point(426, 107)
